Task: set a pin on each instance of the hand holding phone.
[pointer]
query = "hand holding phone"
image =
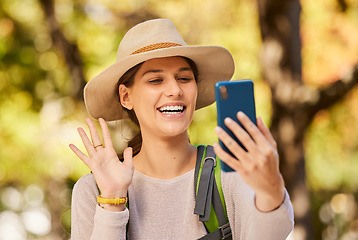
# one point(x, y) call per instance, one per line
point(258, 165)
point(231, 98)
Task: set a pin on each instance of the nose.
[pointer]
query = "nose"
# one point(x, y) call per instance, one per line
point(173, 88)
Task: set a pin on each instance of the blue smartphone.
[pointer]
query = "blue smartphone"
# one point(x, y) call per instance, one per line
point(232, 97)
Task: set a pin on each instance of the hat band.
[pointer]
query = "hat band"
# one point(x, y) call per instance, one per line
point(156, 46)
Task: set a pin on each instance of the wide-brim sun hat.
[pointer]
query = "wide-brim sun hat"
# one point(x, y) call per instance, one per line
point(156, 38)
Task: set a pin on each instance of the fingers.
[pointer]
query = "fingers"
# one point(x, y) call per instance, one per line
point(252, 129)
point(227, 158)
point(106, 134)
point(128, 155)
point(231, 144)
point(94, 144)
point(94, 134)
point(257, 140)
point(253, 139)
point(266, 147)
point(86, 142)
point(80, 154)
point(241, 135)
point(266, 132)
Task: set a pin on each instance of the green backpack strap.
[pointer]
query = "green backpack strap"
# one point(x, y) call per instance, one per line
point(210, 203)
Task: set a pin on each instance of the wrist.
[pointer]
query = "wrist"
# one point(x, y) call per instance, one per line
point(113, 201)
point(112, 204)
point(113, 208)
point(267, 202)
point(113, 194)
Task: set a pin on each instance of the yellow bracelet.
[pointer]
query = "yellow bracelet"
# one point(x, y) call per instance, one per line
point(115, 201)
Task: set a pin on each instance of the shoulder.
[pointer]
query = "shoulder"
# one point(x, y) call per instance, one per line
point(87, 179)
point(86, 185)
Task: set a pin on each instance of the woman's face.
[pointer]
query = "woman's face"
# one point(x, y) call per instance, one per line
point(163, 96)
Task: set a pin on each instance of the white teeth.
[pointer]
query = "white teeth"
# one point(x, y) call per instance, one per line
point(171, 109)
point(171, 113)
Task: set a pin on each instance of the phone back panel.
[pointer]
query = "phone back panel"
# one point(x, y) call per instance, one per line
point(232, 97)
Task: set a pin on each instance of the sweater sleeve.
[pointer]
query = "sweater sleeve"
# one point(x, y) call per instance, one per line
point(88, 220)
point(246, 221)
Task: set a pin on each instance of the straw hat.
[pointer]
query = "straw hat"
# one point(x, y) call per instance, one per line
point(155, 39)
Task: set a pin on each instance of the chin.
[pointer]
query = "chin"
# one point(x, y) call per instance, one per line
point(174, 130)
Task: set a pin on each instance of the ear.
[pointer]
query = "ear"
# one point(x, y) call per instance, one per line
point(124, 97)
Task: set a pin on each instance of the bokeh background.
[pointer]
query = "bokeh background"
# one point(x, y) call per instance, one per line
point(302, 56)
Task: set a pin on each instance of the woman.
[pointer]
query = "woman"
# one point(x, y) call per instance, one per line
point(162, 81)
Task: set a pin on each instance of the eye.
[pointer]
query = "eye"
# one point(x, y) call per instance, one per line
point(185, 79)
point(156, 80)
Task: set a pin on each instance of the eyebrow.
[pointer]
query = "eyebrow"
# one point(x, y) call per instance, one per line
point(152, 71)
point(183, 69)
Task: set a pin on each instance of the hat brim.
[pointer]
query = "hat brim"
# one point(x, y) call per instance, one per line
point(214, 64)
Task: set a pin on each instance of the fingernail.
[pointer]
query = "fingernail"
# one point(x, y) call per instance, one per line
point(228, 120)
point(217, 129)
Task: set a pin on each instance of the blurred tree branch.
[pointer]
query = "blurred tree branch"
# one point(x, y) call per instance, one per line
point(343, 5)
point(134, 17)
point(335, 92)
point(70, 50)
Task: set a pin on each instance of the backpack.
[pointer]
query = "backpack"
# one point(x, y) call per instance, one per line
point(209, 201)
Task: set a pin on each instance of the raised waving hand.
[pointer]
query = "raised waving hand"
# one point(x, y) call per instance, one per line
point(259, 165)
point(112, 176)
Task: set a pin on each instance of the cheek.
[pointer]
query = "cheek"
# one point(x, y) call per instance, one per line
point(192, 92)
point(144, 99)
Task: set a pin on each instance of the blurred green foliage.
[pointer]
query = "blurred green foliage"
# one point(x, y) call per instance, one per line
point(38, 119)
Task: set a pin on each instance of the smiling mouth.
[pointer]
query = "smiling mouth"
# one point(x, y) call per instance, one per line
point(172, 110)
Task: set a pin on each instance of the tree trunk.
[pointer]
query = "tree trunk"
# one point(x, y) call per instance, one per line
point(69, 50)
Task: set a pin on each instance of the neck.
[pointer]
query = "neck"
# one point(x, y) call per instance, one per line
point(165, 158)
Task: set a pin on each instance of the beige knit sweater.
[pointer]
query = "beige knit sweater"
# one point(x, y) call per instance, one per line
point(163, 209)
